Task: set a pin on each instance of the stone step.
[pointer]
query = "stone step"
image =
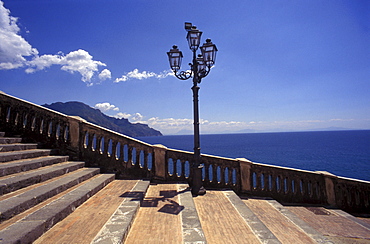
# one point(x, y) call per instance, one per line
point(106, 215)
point(19, 203)
point(10, 140)
point(18, 166)
point(17, 147)
point(33, 153)
point(36, 223)
point(24, 179)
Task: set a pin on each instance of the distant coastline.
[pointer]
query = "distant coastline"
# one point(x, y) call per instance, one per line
point(95, 116)
point(249, 131)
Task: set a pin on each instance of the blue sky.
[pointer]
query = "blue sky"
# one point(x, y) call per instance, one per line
point(281, 65)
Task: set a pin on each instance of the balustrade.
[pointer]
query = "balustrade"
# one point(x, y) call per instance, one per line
point(117, 153)
point(217, 172)
point(131, 158)
point(34, 123)
point(288, 185)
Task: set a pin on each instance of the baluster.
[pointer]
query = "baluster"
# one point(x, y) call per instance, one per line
point(150, 161)
point(214, 173)
point(130, 152)
point(121, 152)
point(226, 176)
point(137, 154)
point(266, 182)
point(293, 186)
point(25, 121)
point(145, 160)
point(178, 168)
point(183, 169)
point(33, 123)
point(206, 172)
point(187, 170)
point(170, 167)
point(66, 134)
point(274, 187)
point(115, 149)
point(285, 185)
point(222, 175)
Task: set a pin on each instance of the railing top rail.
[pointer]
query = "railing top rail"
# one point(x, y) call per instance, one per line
point(77, 118)
point(352, 179)
point(288, 168)
point(308, 172)
point(33, 104)
point(113, 132)
point(203, 155)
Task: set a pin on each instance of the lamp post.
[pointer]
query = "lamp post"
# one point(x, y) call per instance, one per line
point(199, 68)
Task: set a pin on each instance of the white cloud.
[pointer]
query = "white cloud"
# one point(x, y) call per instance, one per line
point(76, 61)
point(82, 62)
point(13, 47)
point(121, 115)
point(170, 126)
point(137, 117)
point(16, 52)
point(134, 118)
point(135, 74)
point(42, 62)
point(105, 74)
point(173, 126)
point(104, 107)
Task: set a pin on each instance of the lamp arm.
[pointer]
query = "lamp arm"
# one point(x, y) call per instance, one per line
point(184, 75)
point(203, 73)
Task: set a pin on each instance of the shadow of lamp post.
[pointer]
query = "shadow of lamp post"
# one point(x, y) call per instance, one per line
point(199, 68)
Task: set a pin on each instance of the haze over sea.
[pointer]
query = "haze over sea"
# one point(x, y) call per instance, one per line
point(343, 153)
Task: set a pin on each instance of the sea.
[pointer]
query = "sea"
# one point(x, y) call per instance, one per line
point(342, 153)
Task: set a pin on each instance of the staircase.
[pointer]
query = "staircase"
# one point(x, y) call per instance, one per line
point(37, 189)
point(45, 198)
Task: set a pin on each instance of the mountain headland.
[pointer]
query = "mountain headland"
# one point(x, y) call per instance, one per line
point(97, 117)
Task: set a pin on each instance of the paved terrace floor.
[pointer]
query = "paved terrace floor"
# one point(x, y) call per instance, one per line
point(224, 218)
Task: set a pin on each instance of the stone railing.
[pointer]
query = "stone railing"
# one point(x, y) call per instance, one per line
point(217, 172)
point(131, 158)
point(300, 186)
point(73, 136)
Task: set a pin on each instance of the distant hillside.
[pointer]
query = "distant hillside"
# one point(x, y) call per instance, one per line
point(95, 116)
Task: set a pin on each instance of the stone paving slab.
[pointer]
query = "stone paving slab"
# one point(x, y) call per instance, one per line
point(118, 226)
point(365, 223)
point(31, 227)
point(192, 231)
point(330, 223)
point(279, 222)
point(315, 235)
point(221, 221)
point(158, 219)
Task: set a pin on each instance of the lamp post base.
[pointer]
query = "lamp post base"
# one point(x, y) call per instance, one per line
point(198, 191)
point(197, 188)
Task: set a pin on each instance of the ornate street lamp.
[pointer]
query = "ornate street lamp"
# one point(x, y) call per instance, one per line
point(199, 68)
